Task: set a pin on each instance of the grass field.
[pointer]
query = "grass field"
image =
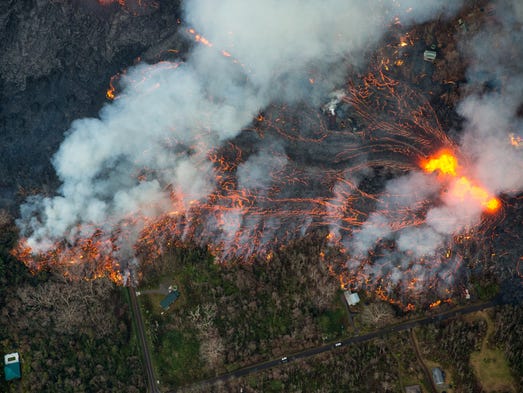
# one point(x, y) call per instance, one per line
point(492, 370)
point(490, 365)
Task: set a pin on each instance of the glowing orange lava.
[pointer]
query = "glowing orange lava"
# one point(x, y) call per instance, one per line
point(445, 163)
point(199, 38)
point(108, 2)
point(435, 304)
point(110, 93)
point(461, 188)
point(515, 140)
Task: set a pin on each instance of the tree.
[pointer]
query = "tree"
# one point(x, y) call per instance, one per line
point(377, 314)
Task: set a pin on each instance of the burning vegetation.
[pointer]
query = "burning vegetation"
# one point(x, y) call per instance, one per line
point(375, 174)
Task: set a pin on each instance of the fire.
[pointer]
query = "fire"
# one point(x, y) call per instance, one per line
point(515, 140)
point(464, 189)
point(445, 163)
point(89, 259)
point(107, 2)
point(435, 304)
point(405, 40)
point(285, 209)
point(202, 40)
point(438, 303)
point(344, 281)
point(111, 91)
point(460, 187)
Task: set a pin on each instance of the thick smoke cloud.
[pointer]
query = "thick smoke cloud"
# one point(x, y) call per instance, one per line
point(492, 116)
point(154, 139)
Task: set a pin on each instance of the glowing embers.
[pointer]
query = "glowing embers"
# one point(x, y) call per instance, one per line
point(406, 40)
point(201, 39)
point(515, 140)
point(108, 2)
point(460, 187)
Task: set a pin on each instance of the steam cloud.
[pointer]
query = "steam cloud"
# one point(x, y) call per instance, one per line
point(155, 138)
point(490, 110)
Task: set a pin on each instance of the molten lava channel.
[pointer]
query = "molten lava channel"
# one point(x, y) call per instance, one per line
point(461, 188)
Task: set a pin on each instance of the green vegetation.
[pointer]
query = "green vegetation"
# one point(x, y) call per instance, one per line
point(450, 345)
point(332, 322)
point(179, 357)
point(239, 314)
point(492, 370)
point(387, 364)
point(508, 336)
point(75, 343)
point(490, 364)
point(71, 336)
point(486, 290)
point(78, 336)
point(361, 368)
point(401, 349)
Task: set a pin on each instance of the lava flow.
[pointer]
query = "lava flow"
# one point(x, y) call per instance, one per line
point(249, 215)
point(460, 187)
point(361, 176)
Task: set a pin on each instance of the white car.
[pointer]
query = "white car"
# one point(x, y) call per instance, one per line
point(337, 345)
point(284, 359)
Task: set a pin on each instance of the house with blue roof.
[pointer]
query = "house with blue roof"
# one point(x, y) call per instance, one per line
point(170, 298)
point(12, 366)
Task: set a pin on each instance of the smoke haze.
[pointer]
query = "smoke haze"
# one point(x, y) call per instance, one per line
point(153, 142)
point(490, 110)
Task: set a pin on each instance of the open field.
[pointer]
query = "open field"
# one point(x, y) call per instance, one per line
point(489, 363)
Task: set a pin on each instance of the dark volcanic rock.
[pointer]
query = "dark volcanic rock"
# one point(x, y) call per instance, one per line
point(57, 57)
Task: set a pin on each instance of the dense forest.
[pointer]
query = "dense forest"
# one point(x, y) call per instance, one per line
point(72, 336)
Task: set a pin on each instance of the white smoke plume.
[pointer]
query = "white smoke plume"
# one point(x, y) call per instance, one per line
point(491, 109)
point(491, 142)
point(154, 139)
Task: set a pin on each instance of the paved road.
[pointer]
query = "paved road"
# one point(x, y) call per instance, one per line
point(151, 379)
point(352, 340)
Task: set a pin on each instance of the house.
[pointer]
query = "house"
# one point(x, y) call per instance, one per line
point(170, 299)
point(351, 298)
point(438, 376)
point(413, 389)
point(429, 55)
point(12, 366)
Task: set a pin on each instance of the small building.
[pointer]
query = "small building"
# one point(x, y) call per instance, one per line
point(438, 376)
point(169, 299)
point(413, 389)
point(351, 298)
point(12, 366)
point(429, 55)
